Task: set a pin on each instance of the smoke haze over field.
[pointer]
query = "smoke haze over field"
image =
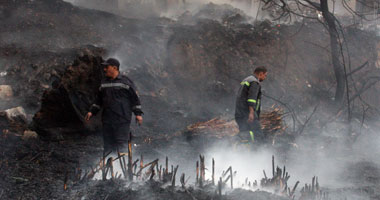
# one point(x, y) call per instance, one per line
point(175, 8)
point(171, 9)
point(188, 70)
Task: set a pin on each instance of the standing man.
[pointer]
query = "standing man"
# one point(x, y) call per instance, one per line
point(118, 98)
point(248, 106)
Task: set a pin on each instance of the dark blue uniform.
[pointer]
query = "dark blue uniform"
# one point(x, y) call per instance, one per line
point(249, 95)
point(118, 98)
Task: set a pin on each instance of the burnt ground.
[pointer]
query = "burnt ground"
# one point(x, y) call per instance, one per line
point(40, 169)
point(187, 71)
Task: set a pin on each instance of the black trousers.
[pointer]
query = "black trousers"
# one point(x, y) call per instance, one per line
point(250, 131)
point(115, 136)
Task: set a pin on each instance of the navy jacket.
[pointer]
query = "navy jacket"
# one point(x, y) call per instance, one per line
point(119, 99)
point(249, 95)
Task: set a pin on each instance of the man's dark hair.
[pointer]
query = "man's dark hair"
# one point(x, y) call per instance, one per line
point(260, 69)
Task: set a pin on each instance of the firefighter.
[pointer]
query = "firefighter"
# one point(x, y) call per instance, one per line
point(118, 97)
point(248, 106)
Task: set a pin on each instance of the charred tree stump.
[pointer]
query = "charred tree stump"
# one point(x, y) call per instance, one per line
point(213, 172)
point(220, 184)
point(174, 175)
point(197, 175)
point(166, 166)
point(103, 167)
point(122, 163)
point(130, 173)
point(202, 170)
point(182, 180)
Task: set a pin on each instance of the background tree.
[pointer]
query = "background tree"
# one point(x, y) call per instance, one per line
point(291, 10)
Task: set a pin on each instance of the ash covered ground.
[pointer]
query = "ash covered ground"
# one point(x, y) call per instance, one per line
point(187, 70)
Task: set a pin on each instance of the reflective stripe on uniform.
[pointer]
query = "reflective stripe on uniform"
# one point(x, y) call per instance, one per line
point(245, 83)
point(252, 136)
point(258, 105)
point(107, 85)
point(137, 107)
point(96, 106)
point(251, 100)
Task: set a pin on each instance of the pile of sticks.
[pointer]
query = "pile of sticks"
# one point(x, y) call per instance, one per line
point(271, 122)
point(216, 127)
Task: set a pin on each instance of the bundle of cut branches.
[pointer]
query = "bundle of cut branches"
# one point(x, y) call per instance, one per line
point(216, 127)
point(271, 122)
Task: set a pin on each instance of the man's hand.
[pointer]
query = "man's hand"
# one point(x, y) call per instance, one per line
point(251, 117)
point(88, 116)
point(139, 119)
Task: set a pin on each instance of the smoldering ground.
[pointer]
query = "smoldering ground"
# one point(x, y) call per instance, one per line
point(339, 167)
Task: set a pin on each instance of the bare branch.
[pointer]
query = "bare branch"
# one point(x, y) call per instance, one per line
point(314, 4)
point(358, 69)
point(307, 120)
point(365, 88)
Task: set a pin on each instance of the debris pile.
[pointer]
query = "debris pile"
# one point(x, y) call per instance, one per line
point(271, 122)
point(214, 128)
point(13, 120)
